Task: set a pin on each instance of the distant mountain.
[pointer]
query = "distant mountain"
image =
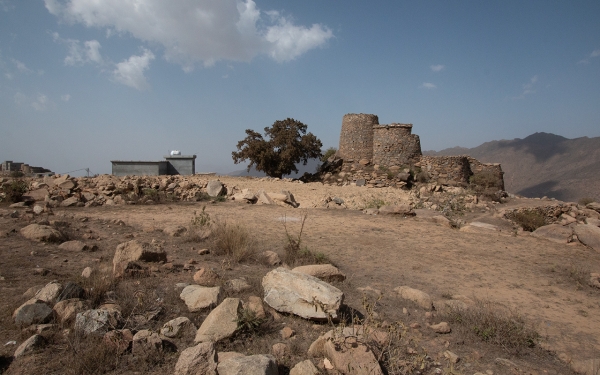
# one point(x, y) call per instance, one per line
point(310, 167)
point(542, 164)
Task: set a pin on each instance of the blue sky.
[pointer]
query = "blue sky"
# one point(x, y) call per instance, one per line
point(83, 82)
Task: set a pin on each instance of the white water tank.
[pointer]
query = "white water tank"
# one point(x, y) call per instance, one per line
point(175, 152)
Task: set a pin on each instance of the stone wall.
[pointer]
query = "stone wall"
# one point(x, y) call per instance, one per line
point(447, 170)
point(394, 145)
point(493, 168)
point(356, 138)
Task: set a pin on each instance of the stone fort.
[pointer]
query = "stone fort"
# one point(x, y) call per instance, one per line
point(393, 148)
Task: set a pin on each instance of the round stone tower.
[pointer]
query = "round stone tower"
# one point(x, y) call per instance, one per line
point(395, 145)
point(356, 139)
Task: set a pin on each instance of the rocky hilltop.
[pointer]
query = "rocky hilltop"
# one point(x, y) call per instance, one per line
point(542, 164)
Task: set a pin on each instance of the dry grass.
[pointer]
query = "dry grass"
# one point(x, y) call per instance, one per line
point(529, 220)
point(233, 240)
point(495, 324)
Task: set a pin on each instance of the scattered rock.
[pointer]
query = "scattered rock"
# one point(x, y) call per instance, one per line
point(554, 232)
point(97, 321)
point(301, 294)
point(214, 188)
point(41, 233)
point(175, 231)
point(352, 356)
point(304, 368)
point(287, 332)
point(30, 345)
point(199, 359)
point(49, 293)
point(206, 277)
point(36, 312)
point(251, 365)
point(120, 339)
point(76, 246)
point(87, 272)
point(271, 258)
point(179, 328)
point(442, 327)
point(67, 310)
point(419, 297)
point(146, 343)
point(198, 297)
point(255, 305)
point(238, 285)
point(451, 356)
point(280, 350)
point(71, 290)
point(325, 272)
point(132, 251)
point(588, 235)
point(400, 209)
point(221, 322)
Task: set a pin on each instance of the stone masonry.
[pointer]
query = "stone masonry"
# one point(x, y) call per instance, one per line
point(382, 155)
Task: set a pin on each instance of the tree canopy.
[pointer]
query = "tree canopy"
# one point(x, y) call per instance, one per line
point(286, 145)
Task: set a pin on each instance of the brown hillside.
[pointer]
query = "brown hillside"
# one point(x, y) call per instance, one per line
point(543, 164)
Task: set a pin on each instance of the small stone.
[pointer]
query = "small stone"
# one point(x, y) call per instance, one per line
point(452, 357)
point(442, 327)
point(287, 332)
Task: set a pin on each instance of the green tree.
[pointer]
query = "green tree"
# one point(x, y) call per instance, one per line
point(328, 153)
point(286, 145)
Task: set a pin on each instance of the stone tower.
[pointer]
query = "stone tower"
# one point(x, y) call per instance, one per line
point(356, 139)
point(395, 145)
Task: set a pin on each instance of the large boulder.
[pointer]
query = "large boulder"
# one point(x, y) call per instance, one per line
point(214, 188)
point(199, 359)
point(49, 293)
point(554, 232)
point(97, 321)
point(33, 312)
point(304, 368)
point(351, 356)
point(251, 365)
point(417, 296)
point(133, 251)
point(301, 294)
point(180, 328)
point(198, 297)
point(41, 233)
point(66, 310)
point(31, 344)
point(325, 272)
point(589, 235)
point(222, 322)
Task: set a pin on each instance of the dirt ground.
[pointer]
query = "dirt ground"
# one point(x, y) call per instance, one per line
point(538, 279)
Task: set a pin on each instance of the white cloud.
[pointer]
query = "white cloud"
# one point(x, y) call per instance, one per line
point(21, 67)
point(595, 53)
point(197, 31)
point(79, 54)
point(65, 98)
point(131, 71)
point(437, 68)
point(528, 88)
point(428, 85)
point(40, 103)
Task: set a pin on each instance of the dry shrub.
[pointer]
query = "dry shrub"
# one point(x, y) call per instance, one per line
point(89, 355)
point(529, 220)
point(495, 324)
point(97, 286)
point(199, 227)
point(295, 253)
point(13, 191)
point(233, 240)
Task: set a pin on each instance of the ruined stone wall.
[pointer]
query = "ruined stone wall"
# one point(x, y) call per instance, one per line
point(394, 145)
point(447, 170)
point(356, 138)
point(493, 168)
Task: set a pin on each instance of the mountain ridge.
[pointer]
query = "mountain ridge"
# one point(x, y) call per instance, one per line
point(542, 164)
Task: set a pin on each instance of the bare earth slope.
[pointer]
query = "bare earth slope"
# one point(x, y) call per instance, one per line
point(543, 164)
